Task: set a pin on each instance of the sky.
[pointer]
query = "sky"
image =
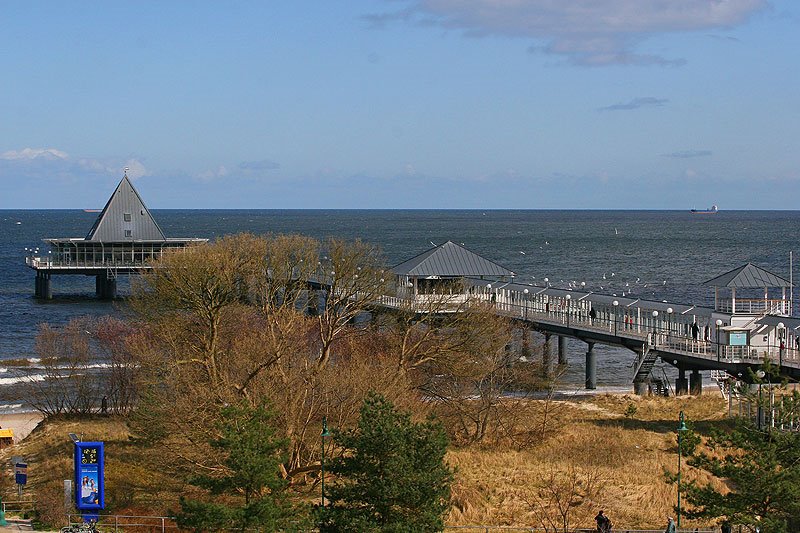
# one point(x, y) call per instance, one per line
point(402, 104)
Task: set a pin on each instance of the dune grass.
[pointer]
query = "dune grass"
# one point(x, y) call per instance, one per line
point(627, 454)
point(602, 436)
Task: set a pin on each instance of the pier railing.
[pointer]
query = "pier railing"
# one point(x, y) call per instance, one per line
point(754, 306)
point(664, 334)
point(76, 264)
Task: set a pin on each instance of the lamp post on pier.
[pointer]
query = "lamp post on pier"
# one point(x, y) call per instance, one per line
point(681, 428)
point(655, 328)
point(325, 433)
point(569, 298)
point(525, 302)
point(719, 345)
point(669, 323)
point(781, 344)
point(615, 303)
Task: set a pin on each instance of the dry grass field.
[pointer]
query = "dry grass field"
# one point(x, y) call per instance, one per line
point(622, 458)
point(597, 454)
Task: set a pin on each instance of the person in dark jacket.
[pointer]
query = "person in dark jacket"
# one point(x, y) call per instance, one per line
point(603, 523)
point(670, 526)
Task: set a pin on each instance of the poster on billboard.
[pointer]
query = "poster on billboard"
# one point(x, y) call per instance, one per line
point(89, 473)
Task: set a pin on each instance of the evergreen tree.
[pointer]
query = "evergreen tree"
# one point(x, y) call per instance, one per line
point(250, 494)
point(762, 474)
point(391, 476)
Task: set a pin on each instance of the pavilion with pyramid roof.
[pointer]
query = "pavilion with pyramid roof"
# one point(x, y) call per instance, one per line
point(124, 240)
point(441, 267)
point(756, 292)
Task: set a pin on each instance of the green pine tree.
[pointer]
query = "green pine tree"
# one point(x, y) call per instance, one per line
point(250, 495)
point(762, 473)
point(391, 476)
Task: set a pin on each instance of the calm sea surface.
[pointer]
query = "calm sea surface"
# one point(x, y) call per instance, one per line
point(654, 247)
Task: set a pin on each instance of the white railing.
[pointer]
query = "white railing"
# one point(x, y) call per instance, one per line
point(661, 334)
point(753, 306)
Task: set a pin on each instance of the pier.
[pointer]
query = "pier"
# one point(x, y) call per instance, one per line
point(125, 239)
point(750, 323)
point(734, 338)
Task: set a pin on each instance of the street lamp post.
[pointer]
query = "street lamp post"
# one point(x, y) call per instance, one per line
point(569, 298)
point(615, 303)
point(325, 433)
point(760, 375)
point(681, 428)
point(525, 302)
point(655, 330)
point(781, 344)
point(669, 323)
point(719, 346)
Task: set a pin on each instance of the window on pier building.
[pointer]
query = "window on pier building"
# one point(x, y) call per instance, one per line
point(128, 233)
point(127, 217)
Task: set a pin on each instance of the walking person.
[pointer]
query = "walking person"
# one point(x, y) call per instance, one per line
point(670, 526)
point(695, 330)
point(603, 523)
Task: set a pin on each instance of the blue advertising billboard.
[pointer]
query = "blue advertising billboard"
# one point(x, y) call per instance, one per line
point(89, 473)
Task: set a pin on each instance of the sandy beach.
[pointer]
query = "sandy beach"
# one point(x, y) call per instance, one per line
point(21, 423)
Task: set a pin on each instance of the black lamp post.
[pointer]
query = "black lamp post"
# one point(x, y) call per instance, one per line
point(569, 301)
point(681, 428)
point(525, 302)
point(719, 345)
point(655, 328)
point(669, 324)
point(615, 303)
point(760, 375)
point(325, 433)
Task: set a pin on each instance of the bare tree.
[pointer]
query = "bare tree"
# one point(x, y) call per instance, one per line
point(556, 495)
point(353, 278)
point(68, 380)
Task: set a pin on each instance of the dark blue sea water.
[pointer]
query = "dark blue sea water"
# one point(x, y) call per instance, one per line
point(654, 247)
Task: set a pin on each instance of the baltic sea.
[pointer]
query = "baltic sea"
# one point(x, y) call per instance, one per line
point(661, 255)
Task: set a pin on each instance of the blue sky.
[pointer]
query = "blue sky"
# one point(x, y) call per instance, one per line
point(607, 104)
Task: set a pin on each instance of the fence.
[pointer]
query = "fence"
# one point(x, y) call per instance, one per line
point(17, 506)
point(130, 523)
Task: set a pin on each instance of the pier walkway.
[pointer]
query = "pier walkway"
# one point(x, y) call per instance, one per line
point(692, 338)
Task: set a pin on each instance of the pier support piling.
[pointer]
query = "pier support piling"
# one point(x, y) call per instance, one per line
point(547, 356)
point(681, 384)
point(696, 383)
point(105, 287)
point(591, 367)
point(641, 388)
point(44, 286)
point(562, 350)
point(525, 350)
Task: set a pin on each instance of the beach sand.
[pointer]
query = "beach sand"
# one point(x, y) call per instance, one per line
point(21, 423)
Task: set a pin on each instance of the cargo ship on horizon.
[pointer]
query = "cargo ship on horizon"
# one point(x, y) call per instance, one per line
point(710, 211)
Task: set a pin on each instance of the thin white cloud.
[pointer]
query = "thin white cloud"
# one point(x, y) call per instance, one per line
point(587, 32)
point(213, 174)
point(113, 167)
point(34, 153)
point(636, 103)
point(688, 154)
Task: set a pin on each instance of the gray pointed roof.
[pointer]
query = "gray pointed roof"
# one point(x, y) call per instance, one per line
point(125, 218)
point(450, 260)
point(748, 276)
